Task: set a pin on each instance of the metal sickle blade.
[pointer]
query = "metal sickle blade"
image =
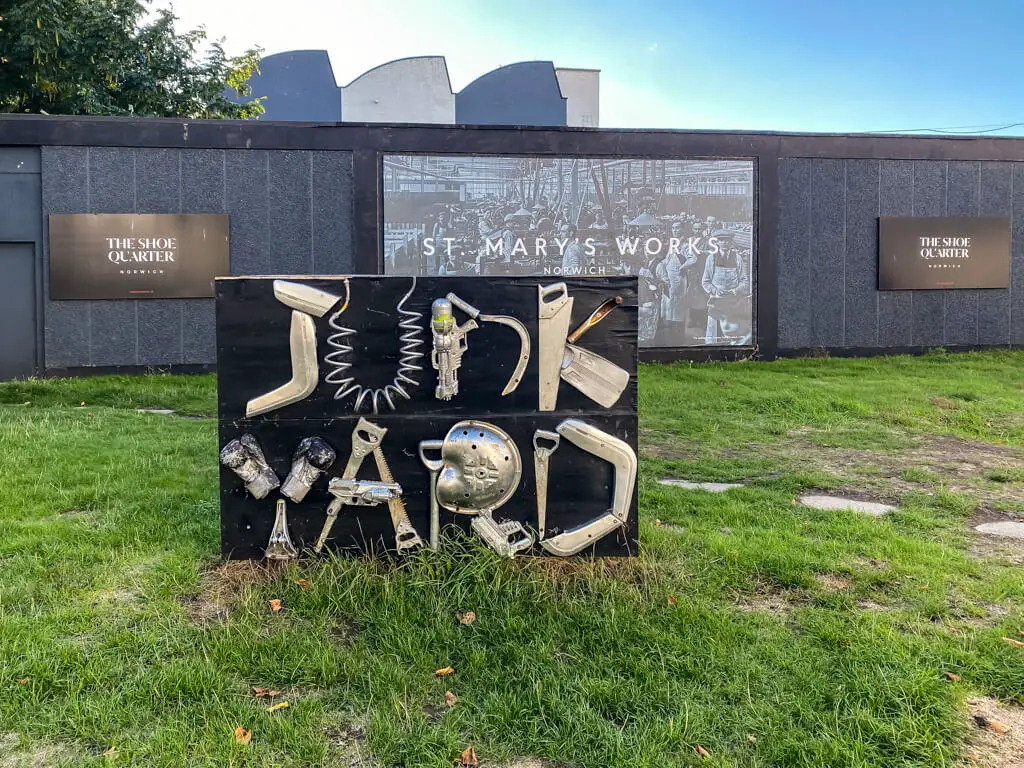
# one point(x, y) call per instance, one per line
point(511, 322)
point(524, 348)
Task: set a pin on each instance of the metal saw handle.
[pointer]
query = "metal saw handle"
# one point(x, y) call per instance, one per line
point(465, 306)
point(595, 317)
point(543, 434)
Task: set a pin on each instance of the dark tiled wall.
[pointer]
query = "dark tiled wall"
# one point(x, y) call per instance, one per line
point(828, 253)
point(290, 213)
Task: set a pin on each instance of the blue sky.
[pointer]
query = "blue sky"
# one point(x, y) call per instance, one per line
point(792, 65)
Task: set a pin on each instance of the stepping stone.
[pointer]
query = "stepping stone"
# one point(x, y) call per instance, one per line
point(872, 508)
point(709, 487)
point(162, 411)
point(1006, 528)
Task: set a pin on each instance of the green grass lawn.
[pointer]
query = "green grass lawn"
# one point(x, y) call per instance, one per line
point(763, 632)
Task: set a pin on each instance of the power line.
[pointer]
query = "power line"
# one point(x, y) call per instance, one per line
point(954, 130)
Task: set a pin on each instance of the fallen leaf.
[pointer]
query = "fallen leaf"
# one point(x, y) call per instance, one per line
point(450, 698)
point(259, 693)
point(304, 583)
point(1014, 643)
point(952, 676)
point(443, 672)
point(703, 752)
point(672, 599)
point(466, 618)
point(468, 758)
point(1000, 728)
point(23, 681)
point(276, 707)
point(923, 586)
point(657, 523)
point(973, 756)
point(752, 739)
point(275, 605)
point(954, 630)
point(110, 753)
point(242, 736)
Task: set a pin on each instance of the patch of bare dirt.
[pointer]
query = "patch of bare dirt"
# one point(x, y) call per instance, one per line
point(658, 445)
point(129, 591)
point(347, 747)
point(435, 712)
point(996, 738)
point(769, 598)
point(117, 596)
point(14, 755)
point(777, 605)
point(985, 545)
point(832, 582)
point(219, 587)
point(961, 465)
point(343, 632)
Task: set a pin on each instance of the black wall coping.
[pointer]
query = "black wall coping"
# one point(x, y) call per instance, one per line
point(36, 130)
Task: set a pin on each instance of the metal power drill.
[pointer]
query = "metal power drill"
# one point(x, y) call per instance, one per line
point(449, 343)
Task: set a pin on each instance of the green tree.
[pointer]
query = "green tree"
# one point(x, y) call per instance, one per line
point(113, 57)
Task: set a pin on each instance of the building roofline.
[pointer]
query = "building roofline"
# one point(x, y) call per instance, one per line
point(324, 51)
point(444, 61)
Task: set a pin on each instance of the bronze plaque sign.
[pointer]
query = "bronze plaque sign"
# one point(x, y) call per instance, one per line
point(137, 256)
point(939, 252)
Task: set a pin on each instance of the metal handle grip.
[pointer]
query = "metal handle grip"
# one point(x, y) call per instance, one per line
point(543, 434)
point(465, 306)
point(551, 290)
point(595, 317)
point(434, 465)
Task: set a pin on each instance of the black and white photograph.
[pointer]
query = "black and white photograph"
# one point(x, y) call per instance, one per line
point(685, 227)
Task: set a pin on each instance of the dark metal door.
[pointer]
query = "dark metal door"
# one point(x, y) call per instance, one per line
point(17, 311)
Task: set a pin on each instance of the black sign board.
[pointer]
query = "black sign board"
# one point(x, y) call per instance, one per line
point(684, 225)
point(137, 256)
point(926, 253)
point(360, 348)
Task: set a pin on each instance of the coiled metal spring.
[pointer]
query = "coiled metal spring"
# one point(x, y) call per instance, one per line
point(408, 360)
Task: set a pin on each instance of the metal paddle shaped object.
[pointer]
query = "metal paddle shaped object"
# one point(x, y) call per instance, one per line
point(599, 379)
